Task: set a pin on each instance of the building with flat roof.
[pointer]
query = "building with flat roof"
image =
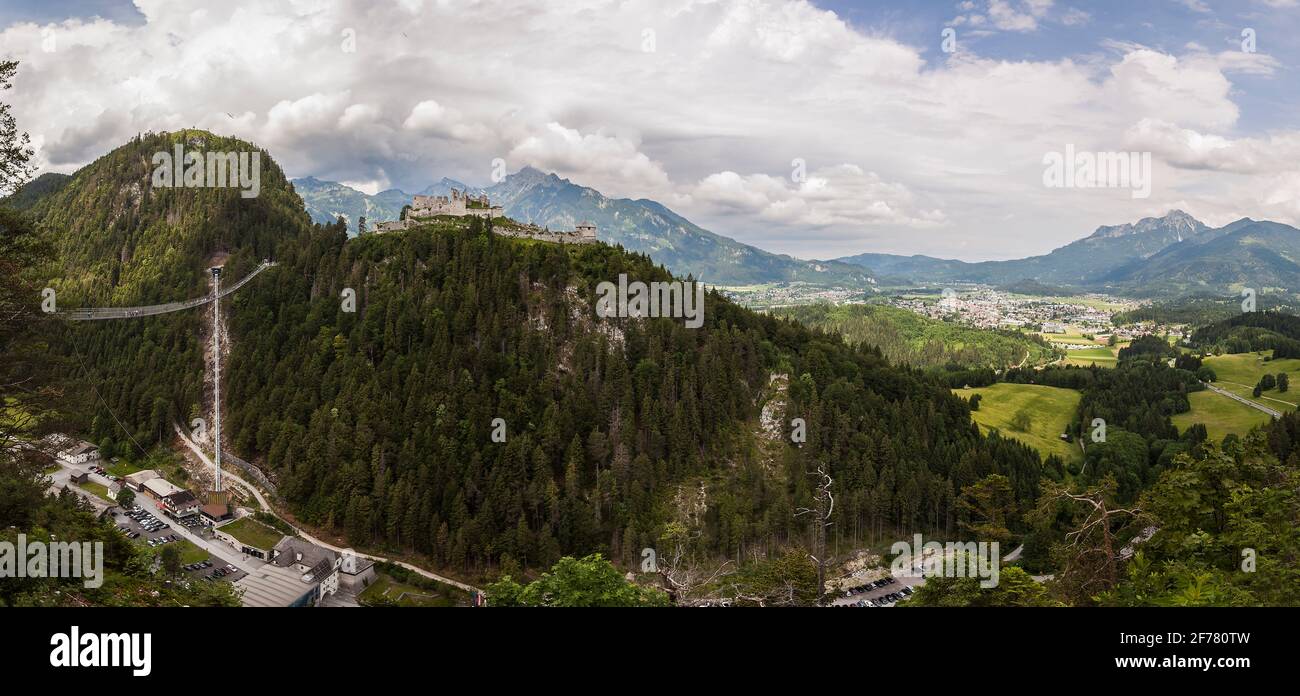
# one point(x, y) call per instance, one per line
point(160, 488)
point(247, 535)
point(217, 512)
point(137, 480)
point(273, 586)
point(300, 574)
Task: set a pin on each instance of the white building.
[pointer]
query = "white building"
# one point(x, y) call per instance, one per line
point(81, 453)
point(316, 570)
point(356, 572)
point(181, 504)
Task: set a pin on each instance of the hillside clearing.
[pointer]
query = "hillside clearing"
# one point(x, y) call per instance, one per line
point(1033, 414)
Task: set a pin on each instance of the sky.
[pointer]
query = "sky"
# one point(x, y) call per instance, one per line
point(817, 129)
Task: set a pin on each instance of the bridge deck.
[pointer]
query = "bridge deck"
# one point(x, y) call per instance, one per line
point(96, 313)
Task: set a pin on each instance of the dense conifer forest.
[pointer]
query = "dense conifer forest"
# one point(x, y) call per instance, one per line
point(450, 394)
point(378, 422)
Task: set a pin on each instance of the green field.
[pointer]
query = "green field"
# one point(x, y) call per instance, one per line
point(1072, 339)
point(96, 488)
point(1219, 414)
point(249, 531)
point(401, 594)
point(121, 468)
point(190, 553)
point(1047, 409)
point(1100, 356)
point(1240, 372)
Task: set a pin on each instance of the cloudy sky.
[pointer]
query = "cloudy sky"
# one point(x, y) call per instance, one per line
point(815, 129)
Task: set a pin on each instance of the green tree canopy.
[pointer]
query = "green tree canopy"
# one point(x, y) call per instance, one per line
point(591, 581)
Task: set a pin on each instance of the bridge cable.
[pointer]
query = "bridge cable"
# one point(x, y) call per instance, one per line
point(108, 408)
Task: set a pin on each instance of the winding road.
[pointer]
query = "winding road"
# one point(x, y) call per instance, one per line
point(337, 549)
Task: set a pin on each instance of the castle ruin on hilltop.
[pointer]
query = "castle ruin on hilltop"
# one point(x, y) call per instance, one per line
point(465, 204)
point(459, 204)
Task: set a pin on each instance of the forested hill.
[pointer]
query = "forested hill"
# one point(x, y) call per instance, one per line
point(906, 337)
point(379, 422)
point(122, 241)
point(1251, 331)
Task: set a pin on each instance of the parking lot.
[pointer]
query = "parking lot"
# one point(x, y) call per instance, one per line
point(143, 525)
point(884, 592)
point(155, 531)
point(107, 477)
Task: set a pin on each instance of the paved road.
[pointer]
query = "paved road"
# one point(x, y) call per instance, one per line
point(337, 549)
point(1287, 404)
point(215, 548)
point(225, 475)
point(1248, 402)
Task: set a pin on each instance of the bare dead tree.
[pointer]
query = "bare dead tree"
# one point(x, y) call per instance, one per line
point(824, 502)
point(688, 581)
point(1090, 560)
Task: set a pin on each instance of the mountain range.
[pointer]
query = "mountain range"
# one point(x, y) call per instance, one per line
point(1171, 255)
point(1168, 256)
point(643, 225)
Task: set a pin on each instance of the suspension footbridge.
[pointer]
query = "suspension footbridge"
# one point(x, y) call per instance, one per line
point(97, 313)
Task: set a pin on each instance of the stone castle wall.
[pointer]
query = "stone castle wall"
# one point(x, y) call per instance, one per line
point(457, 205)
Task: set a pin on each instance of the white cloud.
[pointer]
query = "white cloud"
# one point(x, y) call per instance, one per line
point(840, 195)
point(1157, 85)
point(430, 118)
point(1183, 147)
point(610, 164)
point(1006, 17)
point(1195, 6)
point(707, 122)
point(1075, 17)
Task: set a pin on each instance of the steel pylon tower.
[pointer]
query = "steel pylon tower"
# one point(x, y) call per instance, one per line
point(218, 495)
point(216, 380)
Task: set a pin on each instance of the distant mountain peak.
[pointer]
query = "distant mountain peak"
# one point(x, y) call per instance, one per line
point(532, 176)
point(1175, 221)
